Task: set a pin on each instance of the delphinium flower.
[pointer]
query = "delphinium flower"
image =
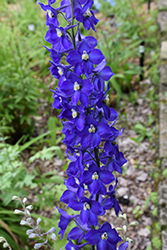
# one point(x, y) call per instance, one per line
point(88, 126)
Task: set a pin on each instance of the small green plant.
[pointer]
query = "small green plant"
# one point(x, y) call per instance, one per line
point(143, 132)
point(137, 212)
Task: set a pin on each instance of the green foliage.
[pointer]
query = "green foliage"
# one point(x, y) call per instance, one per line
point(10, 229)
point(54, 126)
point(21, 57)
point(120, 44)
point(143, 132)
point(137, 212)
point(157, 243)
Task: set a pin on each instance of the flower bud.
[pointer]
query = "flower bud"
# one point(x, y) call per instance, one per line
point(27, 213)
point(130, 240)
point(29, 207)
point(123, 216)
point(5, 245)
point(17, 211)
point(38, 245)
point(32, 235)
point(29, 231)
point(119, 229)
point(24, 200)
point(15, 198)
point(38, 220)
point(124, 228)
point(53, 236)
point(134, 223)
point(23, 222)
point(2, 239)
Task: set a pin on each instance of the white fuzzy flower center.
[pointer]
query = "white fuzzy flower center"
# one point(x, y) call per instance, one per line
point(107, 99)
point(51, 15)
point(74, 113)
point(76, 86)
point(87, 13)
point(85, 56)
point(86, 206)
point(77, 181)
point(59, 33)
point(95, 176)
point(104, 236)
point(60, 71)
point(92, 129)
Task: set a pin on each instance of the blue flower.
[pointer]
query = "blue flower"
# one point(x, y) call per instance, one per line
point(65, 219)
point(90, 209)
point(84, 57)
point(86, 16)
point(95, 179)
point(104, 238)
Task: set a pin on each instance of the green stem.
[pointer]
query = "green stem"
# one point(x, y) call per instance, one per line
point(72, 9)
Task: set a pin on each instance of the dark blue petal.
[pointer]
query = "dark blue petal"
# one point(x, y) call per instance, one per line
point(96, 56)
point(93, 237)
point(123, 246)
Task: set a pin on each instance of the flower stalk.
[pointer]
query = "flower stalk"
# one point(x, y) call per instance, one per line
point(88, 125)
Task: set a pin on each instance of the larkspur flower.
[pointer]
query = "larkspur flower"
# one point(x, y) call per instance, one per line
point(88, 125)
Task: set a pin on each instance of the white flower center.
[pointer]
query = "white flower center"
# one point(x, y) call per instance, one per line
point(60, 99)
point(77, 181)
point(87, 13)
point(92, 129)
point(86, 206)
point(60, 71)
point(51, 15)
point(104, 236)
point(76, 86)
point(59, 33)
point(85, 56)
point(95, 176)
point(74, 113)
point(107, 99)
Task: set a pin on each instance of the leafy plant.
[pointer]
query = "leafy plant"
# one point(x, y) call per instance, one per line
point(19, 89)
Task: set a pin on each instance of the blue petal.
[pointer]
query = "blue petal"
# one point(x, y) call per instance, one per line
point(92, 237)
point(96, 56)
point(84, 216)
point(106, 73)
point(73, 58)
point(123, 246)
point(84, 47)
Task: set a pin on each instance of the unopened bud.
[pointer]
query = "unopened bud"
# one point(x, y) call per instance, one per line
point(5, 245)
point(23, 222)
point(38, 220)
point(130, 240)
point(38, 245)
point(134, 223)
point(30, 207)
point(32, 235)
point(27, 212)
point(122, 216)
point(119, 229)
point(17, 211)
point(2, 239)
point(53, 236)
point(15, 198)
point(29, 231)
point(28, 220)
point(124, 228)
point(24, 200)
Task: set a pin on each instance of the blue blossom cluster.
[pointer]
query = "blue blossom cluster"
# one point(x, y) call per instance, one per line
point(88, 125)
